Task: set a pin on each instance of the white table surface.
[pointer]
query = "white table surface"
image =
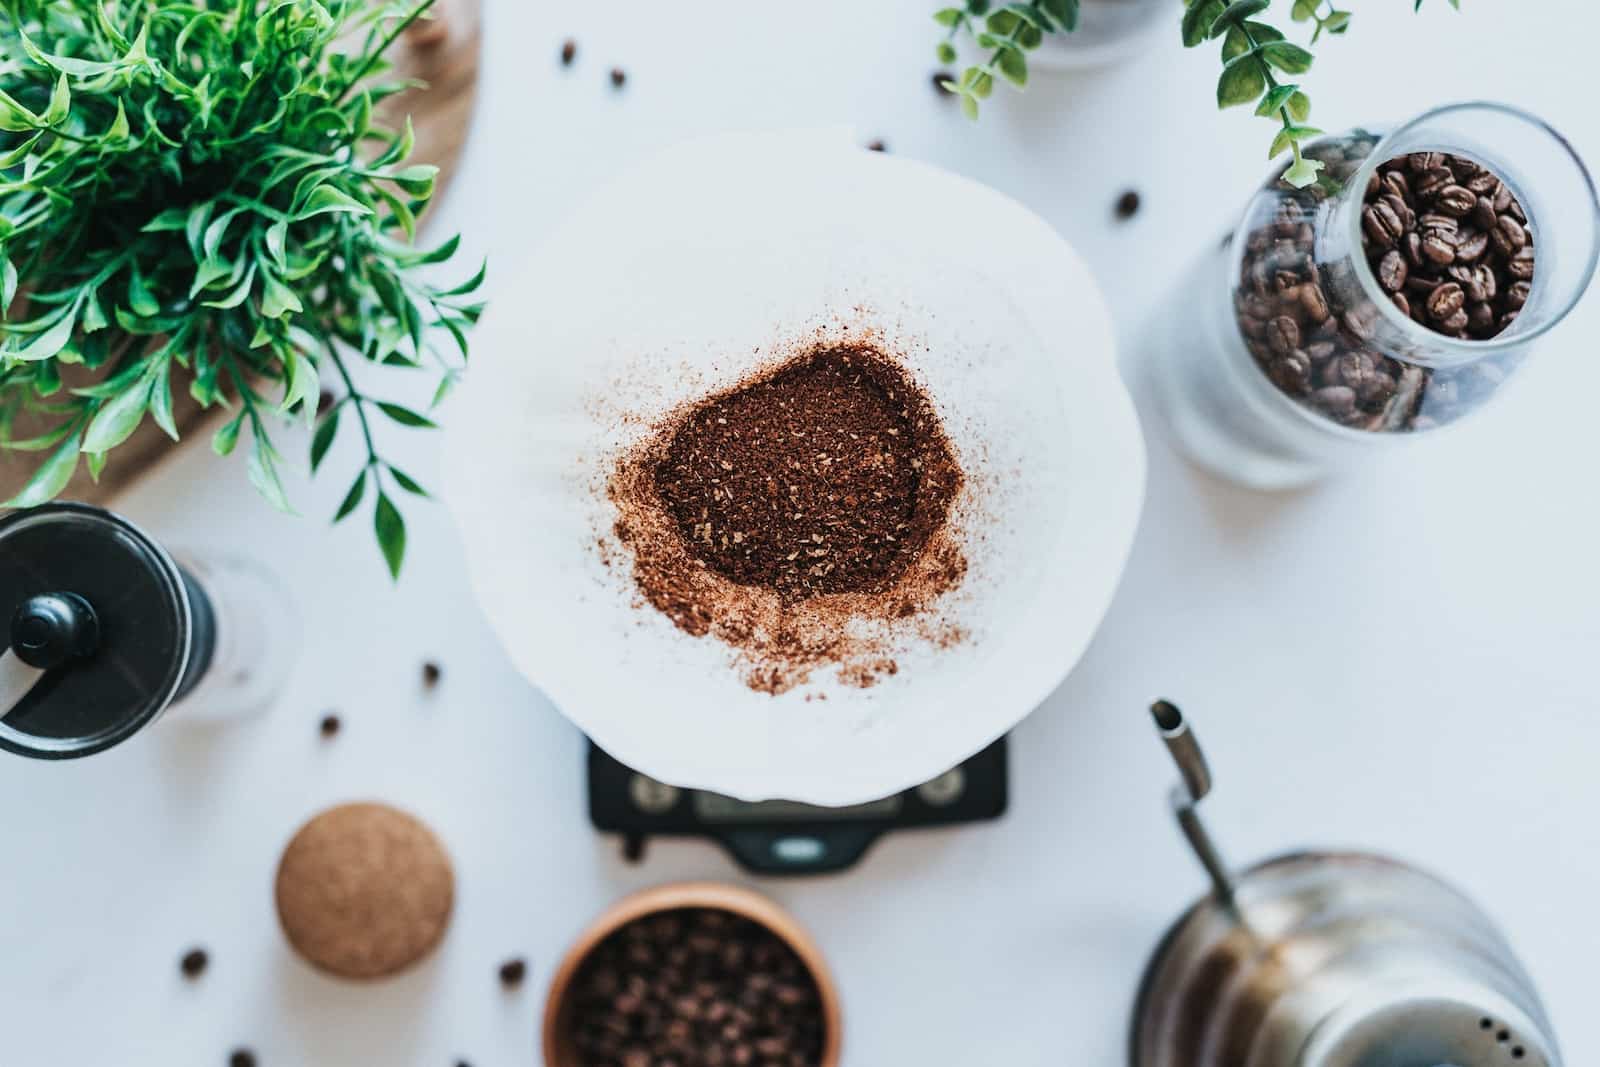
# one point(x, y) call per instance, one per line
point(1398, 662)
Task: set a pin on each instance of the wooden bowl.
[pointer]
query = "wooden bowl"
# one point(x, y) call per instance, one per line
point(558, 1047)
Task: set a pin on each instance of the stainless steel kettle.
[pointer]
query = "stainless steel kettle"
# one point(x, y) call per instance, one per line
point(1328, 959)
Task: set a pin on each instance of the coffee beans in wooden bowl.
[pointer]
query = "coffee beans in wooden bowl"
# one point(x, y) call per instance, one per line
point(1443, 239)
point(726, 982)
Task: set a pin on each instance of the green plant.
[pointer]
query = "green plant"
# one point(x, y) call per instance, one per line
point(196, 190)
point(1254, 54)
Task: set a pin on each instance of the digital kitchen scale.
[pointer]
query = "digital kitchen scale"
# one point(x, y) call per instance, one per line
point(784, 837)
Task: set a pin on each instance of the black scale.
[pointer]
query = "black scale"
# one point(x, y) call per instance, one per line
point(781, 836)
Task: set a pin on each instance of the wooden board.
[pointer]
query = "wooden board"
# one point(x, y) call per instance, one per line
point(444, 55)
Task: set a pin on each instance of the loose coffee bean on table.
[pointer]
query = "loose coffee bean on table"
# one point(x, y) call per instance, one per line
point(1445, 239)
point(695, 986)
point(194, 962)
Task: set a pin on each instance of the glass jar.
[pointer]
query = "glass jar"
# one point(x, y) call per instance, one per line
point(1327, 326)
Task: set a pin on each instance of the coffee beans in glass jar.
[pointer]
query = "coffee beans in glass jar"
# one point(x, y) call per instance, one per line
point(1443, 240)
point(695, 987)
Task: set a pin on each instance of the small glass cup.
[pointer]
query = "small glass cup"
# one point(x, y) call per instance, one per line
point(1275, 407)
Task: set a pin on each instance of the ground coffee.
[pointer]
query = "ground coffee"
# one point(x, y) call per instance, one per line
point(826, 477)
point(803, 517)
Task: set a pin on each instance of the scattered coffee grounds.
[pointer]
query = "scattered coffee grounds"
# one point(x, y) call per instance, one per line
point(816, 480)
point(193, 964)
point(569, 52)
point(431, 673)
point(329, 726)
point(242, 1057)
point(877, 145)
point(695, 986)
point(780, 514)
point(1447, 243)
point(939, 78)
point(512, 972)
point(1127, 205)
point(619, 77)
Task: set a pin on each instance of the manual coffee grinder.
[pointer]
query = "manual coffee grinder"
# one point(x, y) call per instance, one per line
point(101, 631)
point(1328, 959)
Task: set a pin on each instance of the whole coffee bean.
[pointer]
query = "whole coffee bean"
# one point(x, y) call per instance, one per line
point(1337, 400)
point(1506, 320)
point(1455, 323)
point(1422, 161)
point(1375, 390)
point(1392, 271)
point(1400, 301)
point(1381, 224)
point(1283, 334)
point(1508, 236)
point(1430, 182)
point(1437, 249)
point(1483, 212)
point(1517, 295)
point(1472, 245)
point(1413, 247)
point(1394, 183)
point(1446, 300)
point(1402, 211)
point(1357, 325)
point(1314, 302)
point(1520, 266)
point(1480, 317)
point(1482, 183)
point(1456, 200)
point(1437, 222)
point(1320, 350)
point(1291, 372)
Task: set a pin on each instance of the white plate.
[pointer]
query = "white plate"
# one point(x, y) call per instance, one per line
point(680, 278)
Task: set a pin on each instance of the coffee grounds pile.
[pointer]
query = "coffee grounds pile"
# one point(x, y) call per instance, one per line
point(824, 478)
point(695, 986)
point(776, 514)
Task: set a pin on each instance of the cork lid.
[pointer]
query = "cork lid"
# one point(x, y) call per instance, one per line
point(364, 891)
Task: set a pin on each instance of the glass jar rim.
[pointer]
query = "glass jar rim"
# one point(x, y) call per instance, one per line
point(1452, 350)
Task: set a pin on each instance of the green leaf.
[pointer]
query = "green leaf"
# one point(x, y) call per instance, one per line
point(322, 440)
point(1013, 66)
point(406, 482)
point(49, 342)
point(8, 284)
point(1299, 107)
point(947, 16)
point(329, 200)
point(50, 478)
point(1304, 10)
point(223, 441)
point(946, 52)
point(14, 117)
point(406, 417)
point(1198, 19)
point(1287, 57)
point(352, 498)
point(140, 302)
point(277, 298)
point(1235, 14)
point(262, 469)
point(1242, 81)
point(118, 417)
point(391, 531)
point(1303, 172)
point(118, 130)
point(1236, 43)
point(471, 285)
point(161, 399)
point(1337, 22)
point(1297, 134)
point(60, 103)
point(1277, 97)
